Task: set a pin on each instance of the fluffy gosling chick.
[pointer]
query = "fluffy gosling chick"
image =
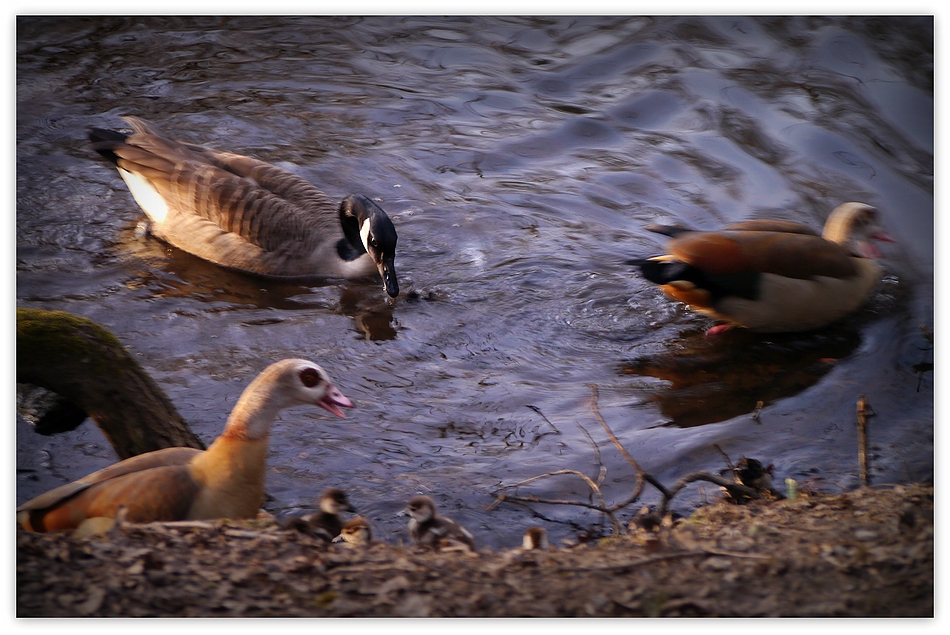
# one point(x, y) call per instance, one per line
point(325, 524)
point(355, 533)
point(428, 529)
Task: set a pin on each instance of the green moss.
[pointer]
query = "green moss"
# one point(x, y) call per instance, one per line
point(56, 335)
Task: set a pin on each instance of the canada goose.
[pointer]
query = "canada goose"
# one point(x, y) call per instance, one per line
point(355, 533)
point(248, 215)
point(325, 523)
point(772, 275)
point(224, 481)
point(428, 529)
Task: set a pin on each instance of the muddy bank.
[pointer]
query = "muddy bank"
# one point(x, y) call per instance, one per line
point(862, 553)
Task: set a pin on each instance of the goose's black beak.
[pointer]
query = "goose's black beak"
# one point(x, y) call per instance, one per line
point(387, 271)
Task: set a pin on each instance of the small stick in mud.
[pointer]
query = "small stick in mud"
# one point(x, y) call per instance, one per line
point(863, 411)
point(758, 410)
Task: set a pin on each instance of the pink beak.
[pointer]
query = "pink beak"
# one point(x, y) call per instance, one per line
point(869, 249)
point(333, 400)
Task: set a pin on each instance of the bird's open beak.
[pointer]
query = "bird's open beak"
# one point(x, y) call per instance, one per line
point(333, 401)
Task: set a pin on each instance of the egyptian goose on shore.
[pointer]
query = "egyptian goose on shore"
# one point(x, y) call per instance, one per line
point(325, 523)
point(248, 215)
point(428, 529)
point(224, 481)
point(772, 275)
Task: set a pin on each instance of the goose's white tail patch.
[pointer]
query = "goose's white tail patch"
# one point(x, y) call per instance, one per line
point(146, 196)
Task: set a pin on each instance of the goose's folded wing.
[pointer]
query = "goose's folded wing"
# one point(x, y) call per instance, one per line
point(158, 494)
point(149, 460)
point(791, 255)
point(225, 218)
point(771, 225)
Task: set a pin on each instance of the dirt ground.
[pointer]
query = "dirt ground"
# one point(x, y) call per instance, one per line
point(864, 553)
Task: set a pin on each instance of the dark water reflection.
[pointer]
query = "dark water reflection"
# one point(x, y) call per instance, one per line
point(713, 381)
point(519, 159)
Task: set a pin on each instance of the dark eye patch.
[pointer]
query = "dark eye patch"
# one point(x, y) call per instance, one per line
point(310, 377)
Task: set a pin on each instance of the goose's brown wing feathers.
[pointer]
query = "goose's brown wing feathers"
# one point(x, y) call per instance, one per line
point(228, 208)
point(793, 255)
point(158, 494)
point(143, 475)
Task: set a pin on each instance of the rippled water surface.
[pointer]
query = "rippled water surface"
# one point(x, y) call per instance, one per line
point(519, 159)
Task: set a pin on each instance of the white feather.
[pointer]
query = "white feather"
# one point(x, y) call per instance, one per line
point(146, 196)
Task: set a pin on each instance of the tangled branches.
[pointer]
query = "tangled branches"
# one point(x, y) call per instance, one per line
point(735, 488)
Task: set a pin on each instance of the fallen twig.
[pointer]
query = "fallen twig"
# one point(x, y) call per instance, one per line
point(758, 410)
point(613, 439)
point(732, 468)
point(174, 524)
point(734, 488)
point(641, 474)
point(595, 488)
point(602, 471)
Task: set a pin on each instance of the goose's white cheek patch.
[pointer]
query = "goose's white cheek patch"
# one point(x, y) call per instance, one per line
point(364, 234)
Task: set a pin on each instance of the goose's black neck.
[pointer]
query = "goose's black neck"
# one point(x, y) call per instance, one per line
point(351, 247)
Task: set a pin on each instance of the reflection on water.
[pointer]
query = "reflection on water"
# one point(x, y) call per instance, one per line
point(519, 159)
point(718, 378)
point(373, 318)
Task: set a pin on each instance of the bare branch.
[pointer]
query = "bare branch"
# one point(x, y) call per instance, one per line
point(641, 475)
point(536, 499)
point(735, 489)
point(603, 469)
point(732, 468)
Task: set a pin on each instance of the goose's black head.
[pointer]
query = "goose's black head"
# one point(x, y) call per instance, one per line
point(367, 229)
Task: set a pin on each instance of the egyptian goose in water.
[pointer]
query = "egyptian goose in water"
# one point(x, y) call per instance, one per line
point(772, 275)
point(248, 215)
point(428, 529)
point(224, 481)
point(355, 533)
point(326, 523)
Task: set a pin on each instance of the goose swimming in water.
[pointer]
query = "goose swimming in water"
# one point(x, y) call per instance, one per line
point(224, 481)
point(772, 275)
point(248, 215)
